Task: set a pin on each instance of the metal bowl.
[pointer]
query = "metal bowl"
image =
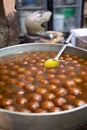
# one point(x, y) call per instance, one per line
point(64, 120)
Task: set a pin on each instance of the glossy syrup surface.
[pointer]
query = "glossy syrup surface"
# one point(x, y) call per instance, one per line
point(26, 85)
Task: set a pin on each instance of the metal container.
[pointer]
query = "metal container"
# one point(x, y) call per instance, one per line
point(64, 120)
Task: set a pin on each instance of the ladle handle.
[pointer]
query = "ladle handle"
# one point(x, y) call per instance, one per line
point(64, 46)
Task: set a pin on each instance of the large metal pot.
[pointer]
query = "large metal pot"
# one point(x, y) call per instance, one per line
point(48, 121)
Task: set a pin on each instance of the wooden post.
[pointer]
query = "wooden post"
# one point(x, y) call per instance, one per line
point(8, 23)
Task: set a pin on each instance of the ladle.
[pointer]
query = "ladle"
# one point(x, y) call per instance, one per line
point(53, 62)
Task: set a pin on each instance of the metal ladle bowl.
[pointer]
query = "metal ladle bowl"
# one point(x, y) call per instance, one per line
point(53, 62)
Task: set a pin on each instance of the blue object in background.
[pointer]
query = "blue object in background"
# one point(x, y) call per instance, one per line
point(28, 2)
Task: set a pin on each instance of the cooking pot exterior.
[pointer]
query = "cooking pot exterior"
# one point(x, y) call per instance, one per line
point(48, 121)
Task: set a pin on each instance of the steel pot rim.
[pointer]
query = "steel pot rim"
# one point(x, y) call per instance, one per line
point(29, 44)
point(44, 114)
